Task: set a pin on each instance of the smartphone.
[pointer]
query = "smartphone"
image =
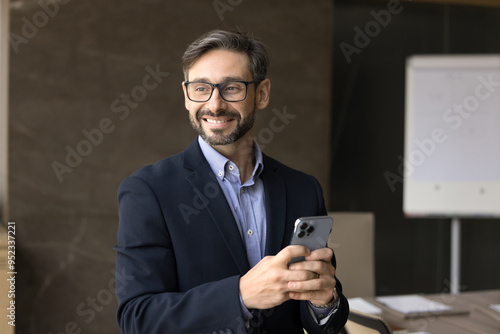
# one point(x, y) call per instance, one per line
point(312, 232)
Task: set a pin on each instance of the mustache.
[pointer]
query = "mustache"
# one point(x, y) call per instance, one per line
point(222, 113)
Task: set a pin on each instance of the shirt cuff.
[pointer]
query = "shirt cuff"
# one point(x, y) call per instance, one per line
point(247, 315)
point(322, 315)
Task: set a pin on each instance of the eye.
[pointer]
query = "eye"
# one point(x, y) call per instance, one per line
point(201, 88)
point(232, 87)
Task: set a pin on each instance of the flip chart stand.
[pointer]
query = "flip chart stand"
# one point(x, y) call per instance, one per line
point(455, 255)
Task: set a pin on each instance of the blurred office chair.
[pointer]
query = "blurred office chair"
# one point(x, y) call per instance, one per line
point(362, 323)
point(352, 240)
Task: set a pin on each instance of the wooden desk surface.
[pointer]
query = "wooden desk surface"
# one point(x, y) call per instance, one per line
point(480, 319)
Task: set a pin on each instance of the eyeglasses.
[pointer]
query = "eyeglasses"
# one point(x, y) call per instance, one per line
point(230, 91)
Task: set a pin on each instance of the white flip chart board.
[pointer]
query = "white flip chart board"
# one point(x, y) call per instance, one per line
point(452, 136)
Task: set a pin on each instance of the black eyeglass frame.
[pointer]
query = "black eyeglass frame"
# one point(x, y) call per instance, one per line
point(186, 83)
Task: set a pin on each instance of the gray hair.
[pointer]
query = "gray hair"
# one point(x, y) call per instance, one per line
point(258, 54)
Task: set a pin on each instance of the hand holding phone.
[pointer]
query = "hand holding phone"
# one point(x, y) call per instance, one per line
point(311, 232)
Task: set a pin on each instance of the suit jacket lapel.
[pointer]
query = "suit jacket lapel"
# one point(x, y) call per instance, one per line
point(274, 187)
point(206, 186)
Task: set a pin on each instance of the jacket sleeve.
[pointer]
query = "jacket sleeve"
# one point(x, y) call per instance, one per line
point(149, 300)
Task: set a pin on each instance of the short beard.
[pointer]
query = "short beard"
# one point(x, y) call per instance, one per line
point(218, 138)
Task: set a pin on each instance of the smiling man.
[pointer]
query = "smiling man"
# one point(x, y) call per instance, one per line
point(205, 234)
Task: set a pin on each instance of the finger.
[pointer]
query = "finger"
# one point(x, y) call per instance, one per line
point(322, 254)
point(318, 297)
point(289, 252)
point(300, 275)
point(309, 295)
point(307, 286)
point(323, 269)
point(310, 291)
point(315, 266)
point(316, 283)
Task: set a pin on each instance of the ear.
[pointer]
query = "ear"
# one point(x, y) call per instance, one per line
point(262, 94)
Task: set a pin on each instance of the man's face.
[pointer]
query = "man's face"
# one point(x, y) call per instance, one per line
point(217, 121)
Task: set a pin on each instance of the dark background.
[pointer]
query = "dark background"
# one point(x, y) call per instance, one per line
point(412, 255)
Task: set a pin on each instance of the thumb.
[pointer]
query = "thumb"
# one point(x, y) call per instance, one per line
point(289, 252)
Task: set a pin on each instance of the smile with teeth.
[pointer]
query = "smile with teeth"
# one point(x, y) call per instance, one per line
point(214, 121)
point(217, 121)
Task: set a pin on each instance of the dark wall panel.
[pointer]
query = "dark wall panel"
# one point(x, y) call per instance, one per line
point(77, 70)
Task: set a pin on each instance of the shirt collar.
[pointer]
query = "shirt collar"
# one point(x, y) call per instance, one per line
point(218, 162)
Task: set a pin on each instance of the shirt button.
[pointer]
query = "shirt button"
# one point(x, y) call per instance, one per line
point(220, 173)
point(250, 232)
point(231, 167)
point(242, 190)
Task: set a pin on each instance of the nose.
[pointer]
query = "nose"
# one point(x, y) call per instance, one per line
point(216, 101)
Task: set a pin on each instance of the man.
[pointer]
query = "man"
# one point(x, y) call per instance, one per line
point(203, 235)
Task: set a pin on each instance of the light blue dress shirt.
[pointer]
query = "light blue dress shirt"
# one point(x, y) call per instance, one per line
point(246, 200)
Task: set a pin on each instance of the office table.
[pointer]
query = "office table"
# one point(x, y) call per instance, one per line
point(477, 316)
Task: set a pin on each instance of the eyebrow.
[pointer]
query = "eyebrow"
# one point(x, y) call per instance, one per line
point(224, 79)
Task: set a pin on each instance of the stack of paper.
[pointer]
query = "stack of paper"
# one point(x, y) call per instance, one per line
point(415, 305)
point(361, 305)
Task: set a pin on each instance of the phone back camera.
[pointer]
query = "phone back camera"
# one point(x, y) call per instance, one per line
point(302, 230)
point(305, 229)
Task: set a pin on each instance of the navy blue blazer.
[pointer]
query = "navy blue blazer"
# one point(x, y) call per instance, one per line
point(180, 254)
